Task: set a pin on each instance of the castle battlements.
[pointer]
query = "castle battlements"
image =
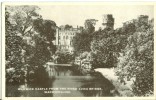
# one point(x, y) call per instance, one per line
point(140, 19)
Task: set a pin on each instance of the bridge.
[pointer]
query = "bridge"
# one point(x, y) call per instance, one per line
point(55, 69)
point(54, 64)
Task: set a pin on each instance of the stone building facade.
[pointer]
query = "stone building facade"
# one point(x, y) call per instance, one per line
point(64, 38)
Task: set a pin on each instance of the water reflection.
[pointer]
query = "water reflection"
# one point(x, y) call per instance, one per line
point(69, 83)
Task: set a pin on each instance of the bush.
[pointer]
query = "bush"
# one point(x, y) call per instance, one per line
point(64, 57)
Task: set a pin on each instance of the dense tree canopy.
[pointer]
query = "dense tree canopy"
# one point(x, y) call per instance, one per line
point(46, 30)
point(104, 47)
point(136, 60)
point(18, 26)
point(82, 40)
point(28, 41)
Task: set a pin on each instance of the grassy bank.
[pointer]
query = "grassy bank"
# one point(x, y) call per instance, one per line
point(123, 89)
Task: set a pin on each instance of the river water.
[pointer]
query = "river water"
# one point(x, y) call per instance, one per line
point(63, 82)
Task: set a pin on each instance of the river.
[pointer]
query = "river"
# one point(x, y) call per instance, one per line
point(63, 82)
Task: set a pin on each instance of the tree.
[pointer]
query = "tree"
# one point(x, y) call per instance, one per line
point(136, 61)
point(81, 41)
point(46, 29)
point(13, 52)
point(28, 41)
point(104, 49)
point(44, 48)
point(18, 26)
point(22, 18)
point(67, 27)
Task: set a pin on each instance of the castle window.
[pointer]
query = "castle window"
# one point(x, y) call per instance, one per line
point(63, 37)
point(66, 37)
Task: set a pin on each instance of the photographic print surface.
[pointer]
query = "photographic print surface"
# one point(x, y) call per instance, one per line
point(79, 50)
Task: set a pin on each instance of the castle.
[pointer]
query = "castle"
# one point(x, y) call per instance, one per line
point(64, 36)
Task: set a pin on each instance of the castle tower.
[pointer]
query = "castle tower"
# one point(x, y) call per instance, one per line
point(143, 19)
point(108, 21)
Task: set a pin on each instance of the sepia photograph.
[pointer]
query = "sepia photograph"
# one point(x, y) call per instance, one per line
point(79, 50)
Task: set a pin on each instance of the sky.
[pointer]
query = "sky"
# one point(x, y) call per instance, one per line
point(77, 14)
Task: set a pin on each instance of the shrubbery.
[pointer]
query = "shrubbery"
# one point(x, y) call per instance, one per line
point(64, 57)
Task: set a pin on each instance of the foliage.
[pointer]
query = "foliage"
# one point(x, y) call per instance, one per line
point(104, 47)
point(81, 42)
point(84, 61)
point(28, 41)
point(46, 30)
point(108, 44)
point(136, 61)
point(64, 57)
point(15, 44)
point(22, 17)
point(41, 54)
point(67, 27)
point(130, 49)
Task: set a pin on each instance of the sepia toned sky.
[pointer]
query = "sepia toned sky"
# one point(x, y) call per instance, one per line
point(76, 14)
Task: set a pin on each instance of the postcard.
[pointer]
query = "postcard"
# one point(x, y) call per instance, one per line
point(93, 50)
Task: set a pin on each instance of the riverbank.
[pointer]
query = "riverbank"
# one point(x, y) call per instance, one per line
point(123, 89)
